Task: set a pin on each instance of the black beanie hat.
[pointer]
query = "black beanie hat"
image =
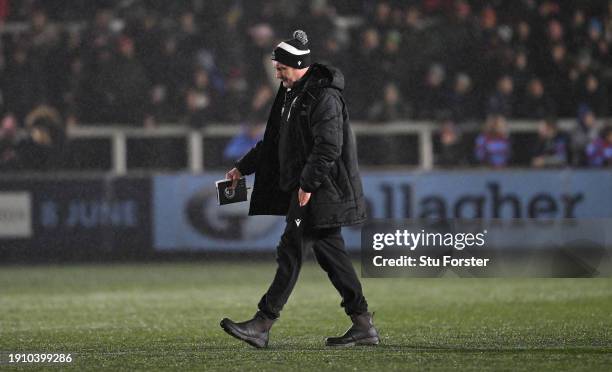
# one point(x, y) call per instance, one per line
point(293, 52)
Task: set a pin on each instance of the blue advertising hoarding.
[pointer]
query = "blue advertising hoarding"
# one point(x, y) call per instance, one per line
point(66, 217)
point(186, 215)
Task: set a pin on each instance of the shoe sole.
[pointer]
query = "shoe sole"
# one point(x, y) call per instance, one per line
point(370, 341)
point(236, 334)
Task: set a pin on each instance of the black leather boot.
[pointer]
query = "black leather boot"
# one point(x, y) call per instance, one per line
point(254, 332)
point(362, 332)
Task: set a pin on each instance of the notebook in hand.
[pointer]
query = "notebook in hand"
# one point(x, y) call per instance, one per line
point(227, 195)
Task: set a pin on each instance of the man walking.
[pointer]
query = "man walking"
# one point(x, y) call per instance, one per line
point(306, 168)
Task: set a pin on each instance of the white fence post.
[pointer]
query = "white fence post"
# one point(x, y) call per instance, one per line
point(426, 155)
point(196, 151)
point(119, 151)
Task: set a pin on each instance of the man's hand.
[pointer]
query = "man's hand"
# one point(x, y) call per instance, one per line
point(234, 175)
point(303, 197)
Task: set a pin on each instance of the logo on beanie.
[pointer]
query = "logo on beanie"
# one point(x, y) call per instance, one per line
point(300, 36)
point(299, 63)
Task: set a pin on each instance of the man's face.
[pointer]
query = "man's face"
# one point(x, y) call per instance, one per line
point(546, 130)
point(288, 75)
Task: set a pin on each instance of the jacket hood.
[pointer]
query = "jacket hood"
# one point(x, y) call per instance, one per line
point(325, 76)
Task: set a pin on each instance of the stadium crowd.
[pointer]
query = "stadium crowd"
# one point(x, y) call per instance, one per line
point(457, 62)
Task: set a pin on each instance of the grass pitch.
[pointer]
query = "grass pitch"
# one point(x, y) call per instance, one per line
point(166, 316)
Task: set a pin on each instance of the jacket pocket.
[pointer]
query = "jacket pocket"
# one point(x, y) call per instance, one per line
point(335, 186)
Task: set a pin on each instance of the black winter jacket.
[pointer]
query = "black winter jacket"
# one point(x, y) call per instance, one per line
point(326, 154)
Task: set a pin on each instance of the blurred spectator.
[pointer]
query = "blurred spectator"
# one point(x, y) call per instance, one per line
point(38, 147)
point(391, 59)
point(555, 31)
point(521, 74)
point(382, 16)
point(229, 50)
point(148, 42)
point(488, 21)
point(593, 94)
point(74, 90)
point(172, 74)
point(199, 100)
point(22, 85)
point(433, 94)
point(577, 29)
point(261, 102)
point(599, 152)
point(99, 34)
point(502, 101)
point(461, 102)
point(189, 37)
point(258, 48)
point(535, 104)
point(42, 35)
point(8, 143)
point(413, 19)
point(595, 44)
point(241, 143)
point(41, 148)
point(493, 144)
point(160, 107)
point(452, 149)
point(112, 62)
point(522, 38)
point(552, 147)
point(556, 77)
point(365, 71)
point(391, 108)
point(318, 19)
point(121, 84)
point(586, 131)
point(332, 54)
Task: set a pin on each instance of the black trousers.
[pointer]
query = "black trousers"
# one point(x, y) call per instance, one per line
point(328, 247)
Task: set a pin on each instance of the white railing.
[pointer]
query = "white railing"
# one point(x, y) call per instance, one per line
point(118, 136)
